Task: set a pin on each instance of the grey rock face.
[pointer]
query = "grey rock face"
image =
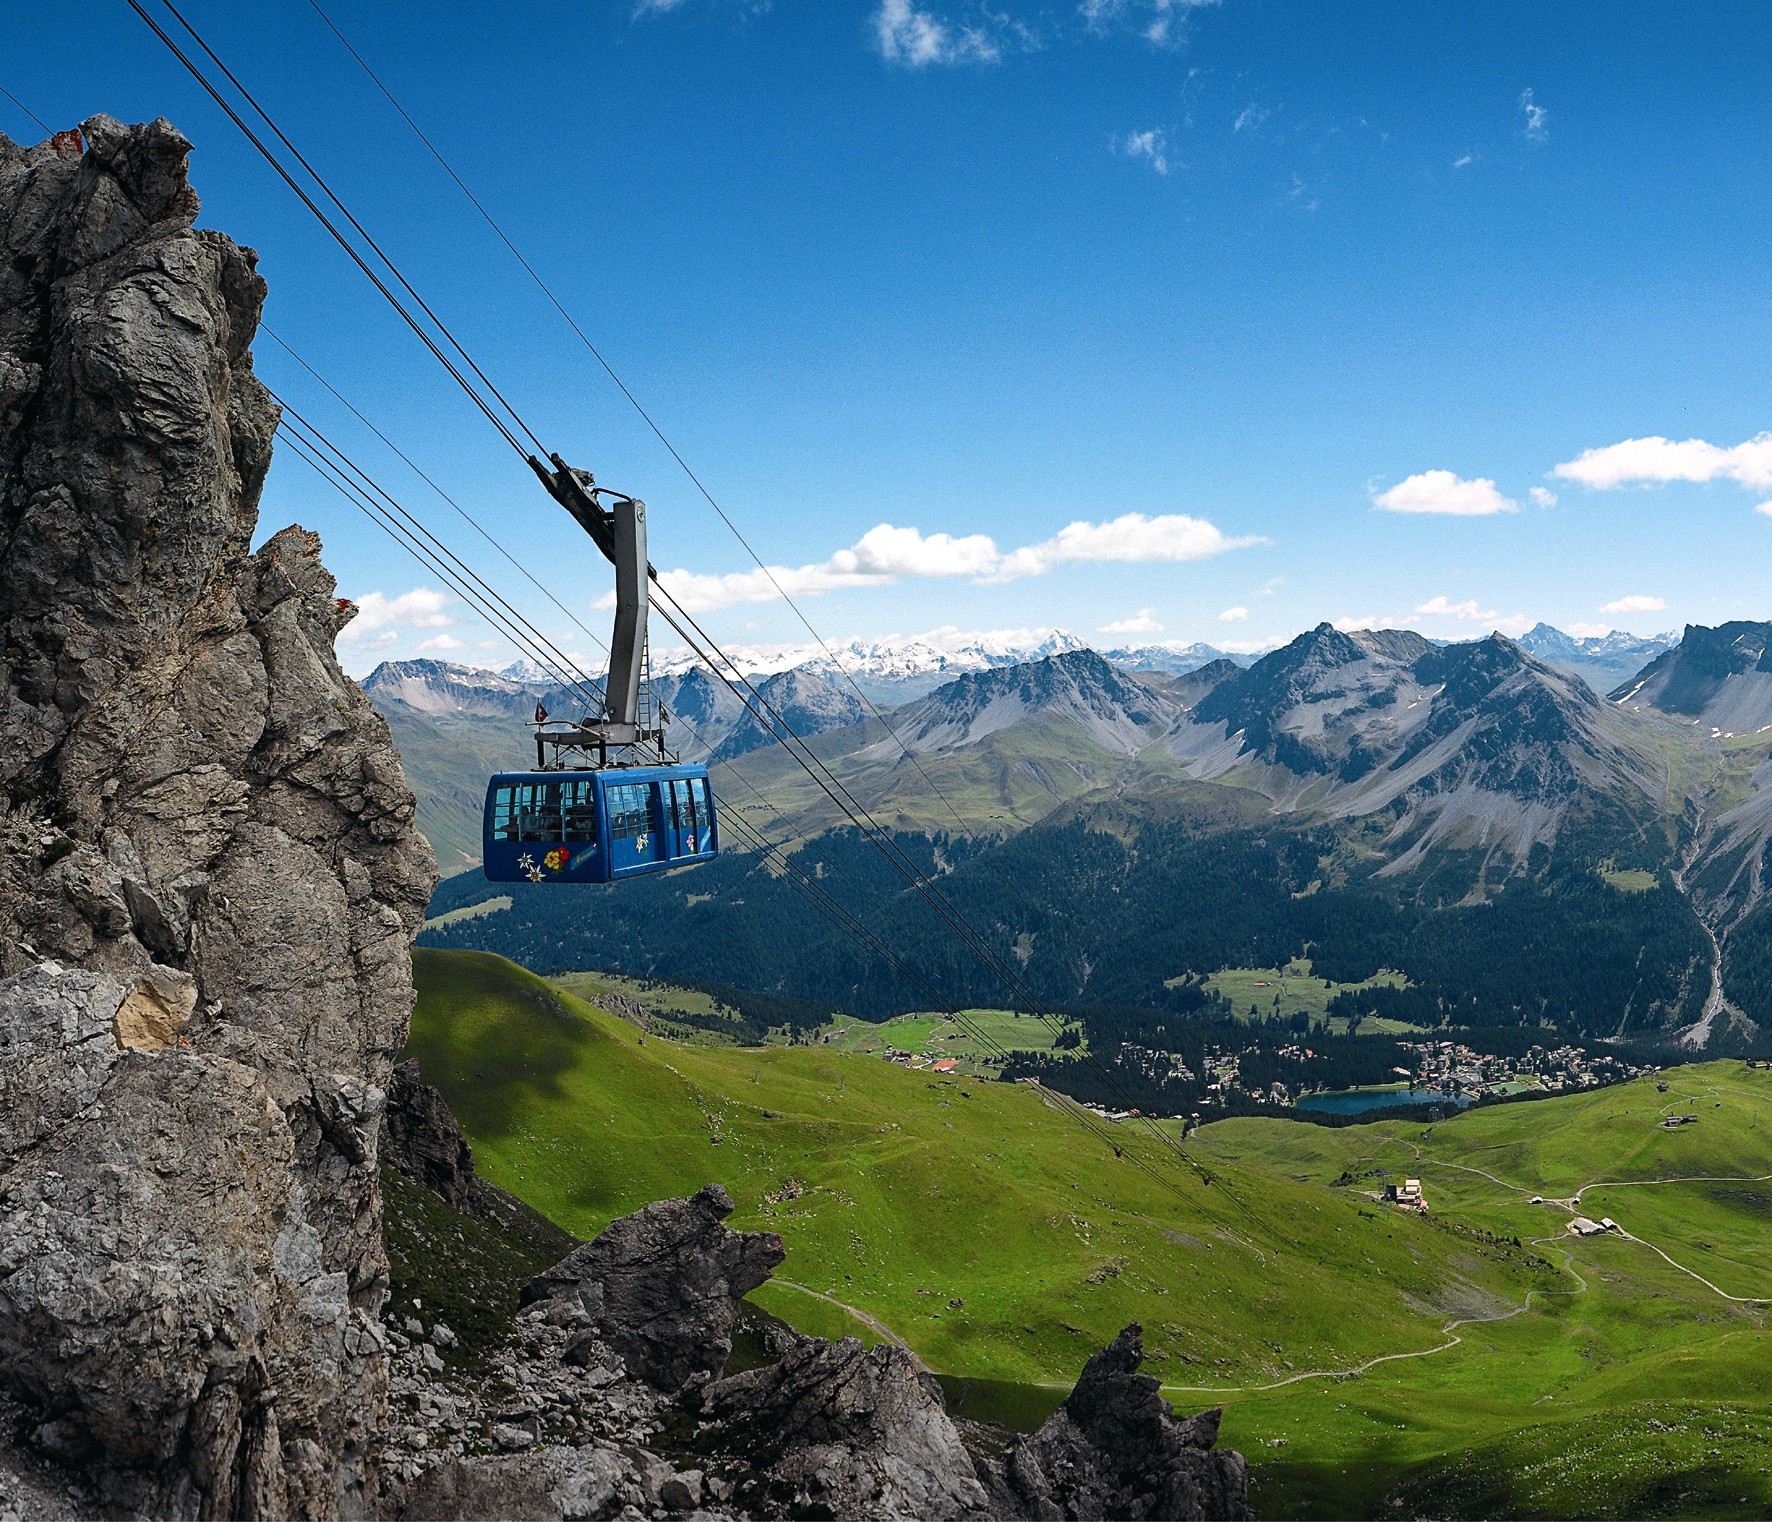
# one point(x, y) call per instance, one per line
point(845, 1431)
point(1115, 1448)
point(205, 828)
point(662, 1286)
point(423, 1140)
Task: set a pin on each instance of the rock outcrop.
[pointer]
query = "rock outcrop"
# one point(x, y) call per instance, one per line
point(422, 1139)
point(209, 884)
point(1115, 1448)
point(662, 1286)
point(563, 1425)
point(838, 1430)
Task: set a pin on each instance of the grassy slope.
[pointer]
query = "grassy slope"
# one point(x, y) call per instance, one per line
point(1626, 1388)
point(1004, 783)
point(1554, 1412)
point(920, 1191)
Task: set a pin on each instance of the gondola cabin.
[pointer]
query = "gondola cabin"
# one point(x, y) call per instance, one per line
point(597, 826)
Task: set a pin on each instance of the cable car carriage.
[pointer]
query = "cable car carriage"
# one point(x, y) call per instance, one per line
point(607, 799)
point(597, 826)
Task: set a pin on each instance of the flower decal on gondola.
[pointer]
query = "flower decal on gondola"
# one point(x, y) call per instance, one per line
point(557, 859)
point(526, 865)
point(640, 842)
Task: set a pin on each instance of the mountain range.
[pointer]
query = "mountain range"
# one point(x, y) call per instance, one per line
point(1374, 762)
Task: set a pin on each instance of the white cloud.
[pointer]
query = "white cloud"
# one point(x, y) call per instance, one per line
point(1763, 507)
point(1250, 117)
point(1167, 17)
point(1270, 586)
point(1142, 623)
point(1514, 623)
point(917, 38)
point(1160, 22)
point(1348, 624)
point(1543, 497)
point(1655, 461)
point(1131, 537)
point(1636, 603)
point(1587, 631)
point(1253, 646)
point(1440, 491)
point(654, 8)
point(440, 642)
point(1439, 607)
point(385, 616)
point(1464, 162)
point(1234, 616)
point(885, 554)
point(1147, 145)
point(1537, 126)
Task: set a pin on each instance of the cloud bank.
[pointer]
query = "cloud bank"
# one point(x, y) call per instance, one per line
point(887, 553)
point(1655, 461)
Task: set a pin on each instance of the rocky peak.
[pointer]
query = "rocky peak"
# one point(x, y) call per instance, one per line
point(1116, 708)
point(209, 885)
point(1115, 1448)
point(1722, 675)
point(662, 1285)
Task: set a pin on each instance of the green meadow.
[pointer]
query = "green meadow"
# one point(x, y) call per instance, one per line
point(972, 1041)
point(1279, 993)
point(1478, 1361)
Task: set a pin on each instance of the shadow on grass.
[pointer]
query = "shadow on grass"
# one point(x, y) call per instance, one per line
point(494, 1038)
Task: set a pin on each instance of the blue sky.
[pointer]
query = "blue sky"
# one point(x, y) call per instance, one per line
point(1182, 321)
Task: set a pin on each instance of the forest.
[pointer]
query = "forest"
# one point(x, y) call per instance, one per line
point(1083, 917)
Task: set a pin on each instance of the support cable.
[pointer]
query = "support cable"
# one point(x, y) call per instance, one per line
point(26, 109)
point(1017, 984)
point(802, 754)
point(342, 241)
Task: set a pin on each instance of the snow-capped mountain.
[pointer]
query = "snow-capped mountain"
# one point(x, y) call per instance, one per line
point(1600, 660)
point(895, 667)
point(1171, 659)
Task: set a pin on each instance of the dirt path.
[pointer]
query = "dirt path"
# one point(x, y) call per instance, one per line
point(1572, 1203)
point(1355, 1370)
point(872, 1323)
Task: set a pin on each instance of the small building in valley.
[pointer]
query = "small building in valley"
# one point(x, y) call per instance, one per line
point(1407, 1194)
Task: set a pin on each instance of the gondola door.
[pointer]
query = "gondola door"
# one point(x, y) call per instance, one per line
point(686, 822)
point(637, 835)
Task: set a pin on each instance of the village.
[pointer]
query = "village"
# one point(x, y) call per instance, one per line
point(1453, 1068)
point(1235, 1074)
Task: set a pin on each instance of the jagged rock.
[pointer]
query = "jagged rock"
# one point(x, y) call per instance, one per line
point(845, 1431)
point(1115, 1448)
point(662, 1286)
point(424, 1141)
point(549, 1485)
point(204, 827)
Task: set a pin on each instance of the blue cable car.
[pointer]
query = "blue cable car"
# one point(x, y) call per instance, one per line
point(597, 826)
point(611, 801)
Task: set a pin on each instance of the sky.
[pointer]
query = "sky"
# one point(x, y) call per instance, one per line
point(1154, 320)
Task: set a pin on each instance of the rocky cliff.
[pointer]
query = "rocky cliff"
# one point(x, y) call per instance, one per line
point(209, 885)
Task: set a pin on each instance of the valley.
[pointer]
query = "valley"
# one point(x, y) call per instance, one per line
point(1478, 1360)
